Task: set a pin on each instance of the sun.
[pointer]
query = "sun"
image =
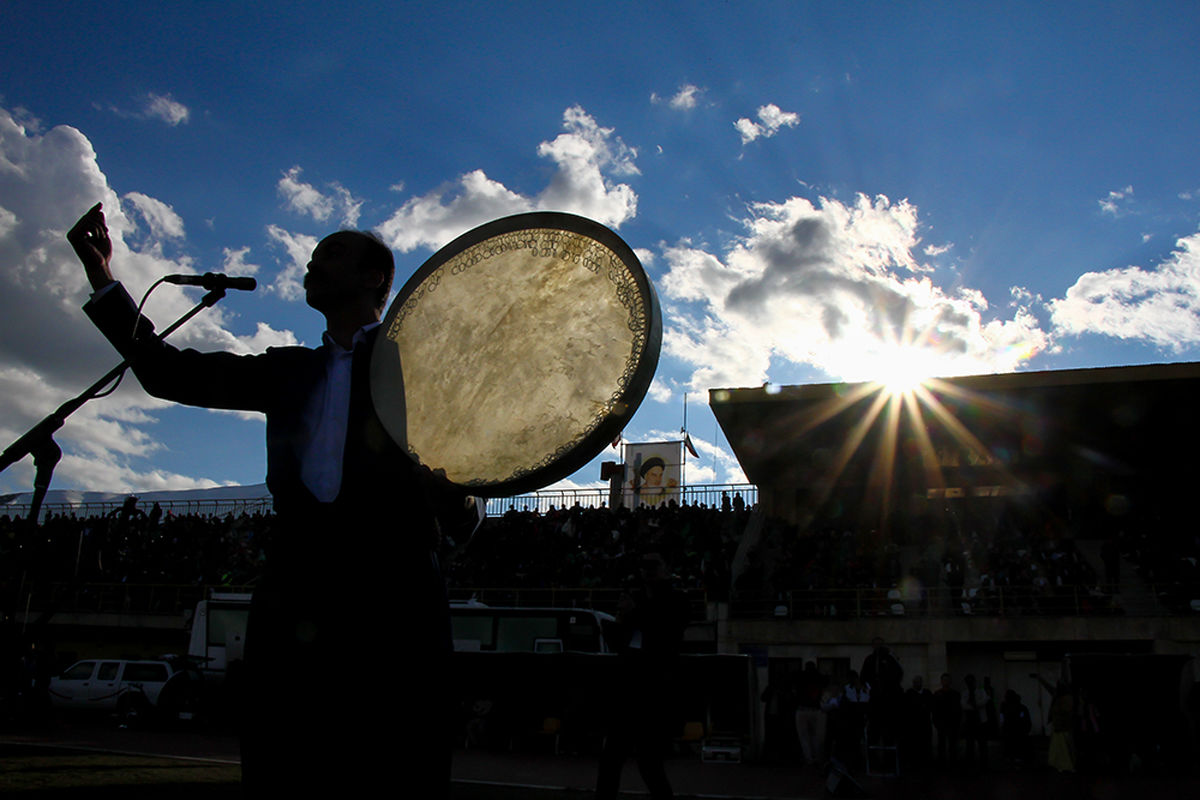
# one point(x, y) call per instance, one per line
point(903, 369)
point(900, 383)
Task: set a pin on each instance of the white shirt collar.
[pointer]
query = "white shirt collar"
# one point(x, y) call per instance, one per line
point(359, 336)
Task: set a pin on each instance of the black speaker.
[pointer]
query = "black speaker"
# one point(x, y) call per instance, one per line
point(610, 468)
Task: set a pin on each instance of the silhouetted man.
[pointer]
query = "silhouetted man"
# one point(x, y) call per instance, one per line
point(918, 722)
point(810, 719)
point(647, 637)
point(352, 559)
point(883, 673)
point(947, 716)
point(974, 730)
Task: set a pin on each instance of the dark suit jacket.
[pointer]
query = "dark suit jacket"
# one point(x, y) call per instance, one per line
point(278, 383)
point(341, 577)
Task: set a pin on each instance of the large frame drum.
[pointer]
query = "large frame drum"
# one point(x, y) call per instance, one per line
point(517, 352)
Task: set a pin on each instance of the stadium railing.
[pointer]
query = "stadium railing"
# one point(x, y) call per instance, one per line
point(708, 494)
point(205, 508)
point(123, 598)
point(836, 604)
point(1064, 601)
point(542, 501)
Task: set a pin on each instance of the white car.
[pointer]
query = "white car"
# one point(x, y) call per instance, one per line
point(126, 687)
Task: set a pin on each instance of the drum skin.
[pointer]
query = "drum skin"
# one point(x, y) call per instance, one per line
point(517, 352)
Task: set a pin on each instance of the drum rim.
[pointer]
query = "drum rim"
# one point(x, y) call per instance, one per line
point(592, 444)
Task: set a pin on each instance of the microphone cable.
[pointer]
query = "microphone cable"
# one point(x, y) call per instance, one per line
point(132, 335)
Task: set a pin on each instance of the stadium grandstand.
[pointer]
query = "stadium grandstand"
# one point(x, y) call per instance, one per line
point(997, 525)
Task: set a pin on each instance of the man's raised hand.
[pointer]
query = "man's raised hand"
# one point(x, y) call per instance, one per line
point(89, 237)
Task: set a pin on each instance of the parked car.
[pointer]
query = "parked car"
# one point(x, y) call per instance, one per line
point(128, 688)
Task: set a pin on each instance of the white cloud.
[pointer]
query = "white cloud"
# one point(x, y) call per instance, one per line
point(835, 286)
point(351, 206)
point(306, 199)
point(160, 217)
point(8, 222)
point(748, 129)
point(165, 108)
point(435, 218)
point(715, 350)
point(1116, 201)
point(933, 250)
point(683, 100)
point(25, 118)
point(585, 155)
point(235, 263)
point(659, 391)
point(1160, 306)
point(298, 247)
point(264, 336)
point(687, 97)
point(46, 181)
point(302, 197)
point(568, 485)
point(771, 119)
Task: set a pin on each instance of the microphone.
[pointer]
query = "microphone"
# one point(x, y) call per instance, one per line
point(213, 280)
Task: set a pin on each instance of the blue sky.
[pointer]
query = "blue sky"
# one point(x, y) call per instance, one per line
point(820, 191)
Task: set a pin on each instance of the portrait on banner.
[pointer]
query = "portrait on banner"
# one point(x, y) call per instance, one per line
point(652, 473)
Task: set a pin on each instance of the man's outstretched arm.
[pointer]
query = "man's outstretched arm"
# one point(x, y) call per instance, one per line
point(211, 380)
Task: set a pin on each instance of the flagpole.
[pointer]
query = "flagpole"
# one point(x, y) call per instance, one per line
point(683, 430)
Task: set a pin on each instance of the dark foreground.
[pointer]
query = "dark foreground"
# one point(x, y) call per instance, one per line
point(88, 761)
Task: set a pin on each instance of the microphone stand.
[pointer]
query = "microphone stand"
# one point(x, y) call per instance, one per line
point(39, 442)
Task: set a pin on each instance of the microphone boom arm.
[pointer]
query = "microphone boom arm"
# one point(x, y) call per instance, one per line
point(39, 440)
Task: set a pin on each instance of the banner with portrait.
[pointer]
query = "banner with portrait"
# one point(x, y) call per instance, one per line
point(652, 474)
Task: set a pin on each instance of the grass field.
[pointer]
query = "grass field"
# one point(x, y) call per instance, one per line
point(34, 773)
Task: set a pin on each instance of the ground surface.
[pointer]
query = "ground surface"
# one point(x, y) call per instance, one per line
point(89, 759)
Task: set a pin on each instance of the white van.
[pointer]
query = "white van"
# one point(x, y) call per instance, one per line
point(218, 633)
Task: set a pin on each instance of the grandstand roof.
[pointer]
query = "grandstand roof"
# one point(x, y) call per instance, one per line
point(1014, 430)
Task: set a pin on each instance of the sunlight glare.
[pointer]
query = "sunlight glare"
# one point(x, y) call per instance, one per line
point(903, 370)
point(900, 383)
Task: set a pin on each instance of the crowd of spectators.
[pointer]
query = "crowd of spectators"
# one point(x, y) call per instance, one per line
point(562, 547)
point(997, 559)
point(133, 546)
point(868, 714)
point(599, 548)
point(1166, 556)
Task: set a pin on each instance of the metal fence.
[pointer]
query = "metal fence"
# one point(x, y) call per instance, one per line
point(1064, 601)
point(598, 496)
point(591, 497)
point(836, 604)
point(140, 599)
point(121, 598)
point(98, 508)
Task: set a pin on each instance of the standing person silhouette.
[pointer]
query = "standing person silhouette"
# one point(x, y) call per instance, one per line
point(648, 635)
point(352, 558)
